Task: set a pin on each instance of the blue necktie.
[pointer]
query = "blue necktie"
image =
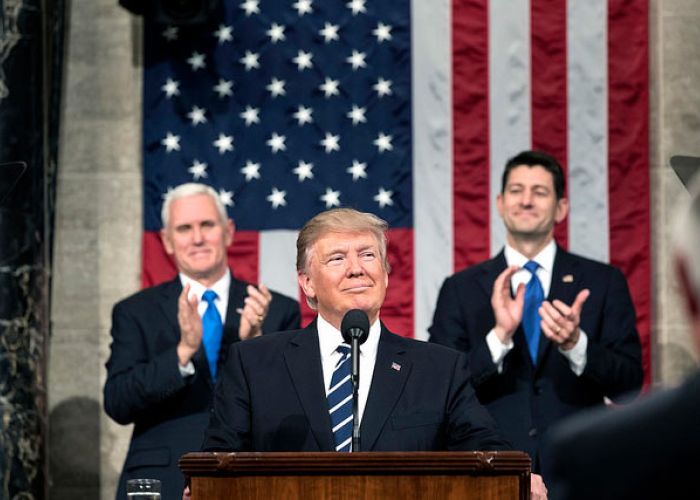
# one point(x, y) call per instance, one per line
point(340, 401)
point(212, 329)
point(534, 295)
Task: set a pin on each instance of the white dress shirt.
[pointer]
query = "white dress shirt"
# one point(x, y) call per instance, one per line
point(221, 288)
point(329, 338)
point(545, 260)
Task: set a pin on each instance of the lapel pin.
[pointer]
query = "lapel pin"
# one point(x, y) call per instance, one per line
point(396, 366)
point(568, 278)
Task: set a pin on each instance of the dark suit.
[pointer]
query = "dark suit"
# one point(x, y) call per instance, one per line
point(272, 398)
point(647, 450)
point(524, 399)
point(144, 385)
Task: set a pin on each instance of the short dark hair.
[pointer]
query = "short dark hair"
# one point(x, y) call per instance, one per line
point(534, 158)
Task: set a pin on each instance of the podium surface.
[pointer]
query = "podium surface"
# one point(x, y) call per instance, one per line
point(363, 475)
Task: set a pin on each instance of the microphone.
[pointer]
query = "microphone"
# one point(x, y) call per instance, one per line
point(355, 330)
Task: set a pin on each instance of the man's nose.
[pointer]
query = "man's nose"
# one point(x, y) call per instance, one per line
point(526, 198)
point(197, 235)
point(354, 266)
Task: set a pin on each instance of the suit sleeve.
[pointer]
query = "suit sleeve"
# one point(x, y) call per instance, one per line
point(470, 426)
point(614, 358)
point(451, 328)
point(229, 424)
point(137, 381)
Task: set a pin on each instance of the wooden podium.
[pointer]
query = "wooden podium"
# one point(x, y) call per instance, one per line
point(363, 475)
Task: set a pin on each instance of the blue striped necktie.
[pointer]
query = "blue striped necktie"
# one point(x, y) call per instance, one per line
point(212, 329)
point(340, 401)
point(534, 295)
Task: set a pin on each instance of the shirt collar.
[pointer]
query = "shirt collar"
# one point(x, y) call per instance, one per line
point(220, 287)
point(545, 258)
point(329, 338)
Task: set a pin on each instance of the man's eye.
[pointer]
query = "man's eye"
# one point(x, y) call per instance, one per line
point(208, 224)
point(368, 255)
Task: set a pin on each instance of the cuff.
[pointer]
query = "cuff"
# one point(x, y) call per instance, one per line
point(498, 349)
point(577, 354)
point(186, 370)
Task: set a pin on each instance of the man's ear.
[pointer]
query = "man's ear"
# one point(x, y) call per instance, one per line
point(230, 229)
point(562, 210)
point(306, 284)
point(167, 243)
point(499, 204)
point(688, 291)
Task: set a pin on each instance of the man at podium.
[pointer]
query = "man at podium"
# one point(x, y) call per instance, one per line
point(282, 392)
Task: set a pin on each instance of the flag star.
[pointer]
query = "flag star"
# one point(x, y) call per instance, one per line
point(224, 33)
point(276, 142)
point(171, 87)
point(197, 115)
point(196, 60)
point(303, 7)
point(330, 87)
point(276, 33)
point(358, 169)
point(382, 87)
point(276, 87)
point(304, 170)
point(170, 33)
point(198, 170)
point(357, 115)
point(382, 32)
point(251, 7)
point(331, 142)
point(329, 32)
point(251, 115)
point(383, 197)
point(303, 115)
point(383, 142)
point(331, 198)
point(226, 197)
point(356, 6)
point(276, 197)
point(224, 143)
point(250, 60)
point(251, 170)
point(303, 60)
point(171, 142)
point(357, 60)
point(224, 88)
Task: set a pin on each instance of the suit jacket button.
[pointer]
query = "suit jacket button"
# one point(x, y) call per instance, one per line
point(532, 432)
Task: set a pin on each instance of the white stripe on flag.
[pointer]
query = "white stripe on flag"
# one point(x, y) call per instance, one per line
point(588, 125)
point(432, 155)
point(277, 261)
point(509, 96)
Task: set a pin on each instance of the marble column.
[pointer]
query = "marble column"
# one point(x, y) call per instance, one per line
point(30, 35)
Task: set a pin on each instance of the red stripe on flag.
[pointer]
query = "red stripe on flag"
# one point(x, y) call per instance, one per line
point(548, 81)
point(397, 311)
point(470, 125)
point(628, 171)
point(157, 266)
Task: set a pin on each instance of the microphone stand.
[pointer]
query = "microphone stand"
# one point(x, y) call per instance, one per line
point(355, 334)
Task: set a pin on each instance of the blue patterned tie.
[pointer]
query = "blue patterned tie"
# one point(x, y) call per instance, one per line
point(340, 401)
point(534, 295)
point(212, 329)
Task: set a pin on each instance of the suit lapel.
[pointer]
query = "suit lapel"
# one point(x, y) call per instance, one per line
point(170, 293)
point(236, 295)
point(563, 287)
point(303, 358)
point(391, 370)
point(492, 269)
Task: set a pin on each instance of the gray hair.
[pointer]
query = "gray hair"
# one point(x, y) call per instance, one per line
point(686, 237)
point(186, 190)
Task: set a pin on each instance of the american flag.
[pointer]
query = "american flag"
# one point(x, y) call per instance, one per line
point(408, 110)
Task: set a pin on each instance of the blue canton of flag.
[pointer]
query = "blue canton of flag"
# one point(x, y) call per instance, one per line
point(286, 108)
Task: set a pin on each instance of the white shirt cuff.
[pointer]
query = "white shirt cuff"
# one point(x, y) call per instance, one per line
point(498, 349)
point(577, 354)
point(186, 370)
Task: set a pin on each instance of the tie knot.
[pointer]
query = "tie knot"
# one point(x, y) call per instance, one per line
point(209, 296)
point(531, 266)
point(343, 349)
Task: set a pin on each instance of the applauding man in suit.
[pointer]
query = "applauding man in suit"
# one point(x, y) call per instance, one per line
point(546, 332)
point(169, 341)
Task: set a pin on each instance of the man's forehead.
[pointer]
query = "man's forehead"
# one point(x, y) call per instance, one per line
point(345, 239)
point(530, 174)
